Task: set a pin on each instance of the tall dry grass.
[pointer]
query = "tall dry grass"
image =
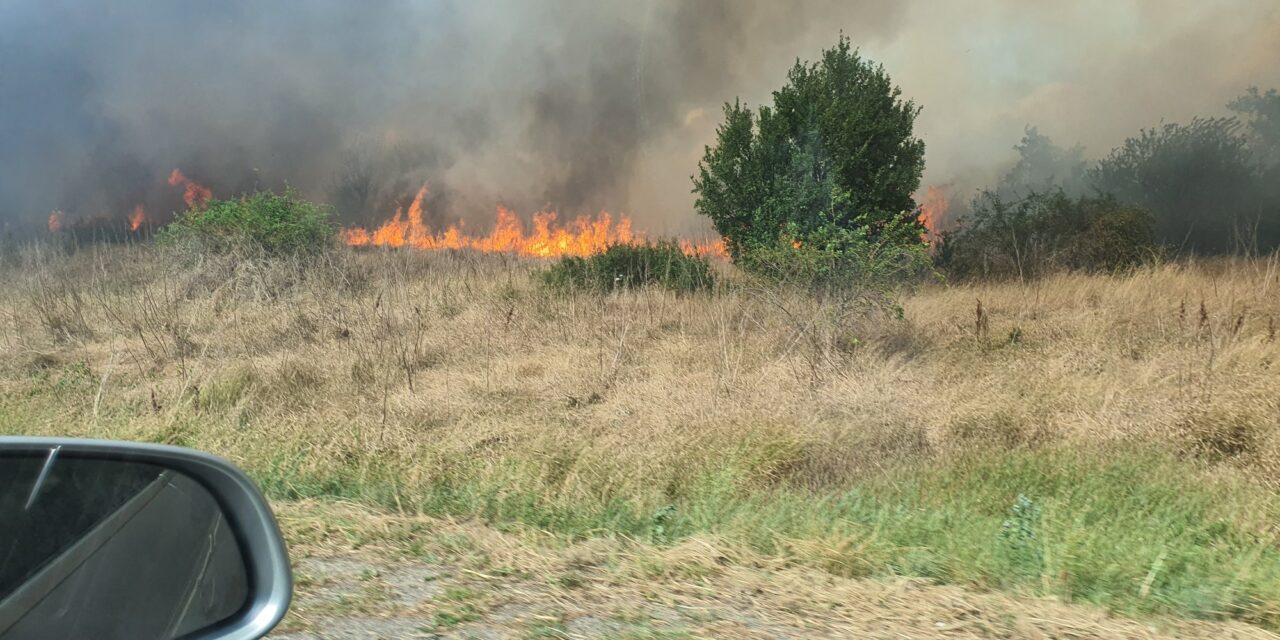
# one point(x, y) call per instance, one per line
point(437, 356)
point(456, 383)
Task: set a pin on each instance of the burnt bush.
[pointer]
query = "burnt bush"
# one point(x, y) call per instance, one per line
point(1044, 232)
point(632, 265)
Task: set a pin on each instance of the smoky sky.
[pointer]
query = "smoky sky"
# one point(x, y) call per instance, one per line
point(575, 105)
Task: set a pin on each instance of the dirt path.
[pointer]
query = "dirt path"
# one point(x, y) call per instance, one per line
point(365, 575)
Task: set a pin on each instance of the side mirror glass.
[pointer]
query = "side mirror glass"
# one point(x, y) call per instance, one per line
point(118, 540)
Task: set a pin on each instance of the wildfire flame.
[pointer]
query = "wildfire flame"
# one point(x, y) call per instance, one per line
point(549, 238)
point(137, 218)
point(581, 236)
point(932, 210)
point(705, 248)
point(194, 193)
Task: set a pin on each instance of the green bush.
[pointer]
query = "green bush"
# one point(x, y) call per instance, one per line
point(1201, 182)
point(833, 163)
point(632, 265)
point(277, 224)
point(837, 260)
point(1045, 232)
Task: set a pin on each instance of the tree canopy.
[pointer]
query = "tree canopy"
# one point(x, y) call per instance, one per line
point(833, 163)
point(1200, 180)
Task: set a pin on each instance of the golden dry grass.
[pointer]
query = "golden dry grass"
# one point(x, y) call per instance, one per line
point(444, 383)
point(466, 355)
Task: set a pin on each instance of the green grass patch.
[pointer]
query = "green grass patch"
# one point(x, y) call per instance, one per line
point(1137, 531)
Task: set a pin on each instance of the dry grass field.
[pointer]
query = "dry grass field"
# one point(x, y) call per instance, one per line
point(1109, 440)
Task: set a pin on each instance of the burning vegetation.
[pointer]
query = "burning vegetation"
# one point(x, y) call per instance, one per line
point(137, 218)
point(933, 211)
point(549, 238)
point(821, 395)
point(193, 193)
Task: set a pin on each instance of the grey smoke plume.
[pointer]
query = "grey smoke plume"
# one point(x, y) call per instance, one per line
point(579, 105)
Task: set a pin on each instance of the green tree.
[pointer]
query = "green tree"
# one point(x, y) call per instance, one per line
point(1043, 167)
point(831, 166)
point(1261, 112)
point(1200, 181)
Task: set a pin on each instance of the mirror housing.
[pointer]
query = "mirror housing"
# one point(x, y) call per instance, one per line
point(245, 511)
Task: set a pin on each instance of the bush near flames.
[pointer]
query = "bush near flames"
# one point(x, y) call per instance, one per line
point(270, 223)
point(817, 189)
point(1046, 232)
point(622, 266)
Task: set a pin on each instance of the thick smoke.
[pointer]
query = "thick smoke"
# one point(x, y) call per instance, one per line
point(579, 105)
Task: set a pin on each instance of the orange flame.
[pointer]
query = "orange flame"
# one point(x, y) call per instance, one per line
point(137, 218)
point(194, 193)
point(581, 236)
point(705, 248)
point(932, 210)
point(56, 218)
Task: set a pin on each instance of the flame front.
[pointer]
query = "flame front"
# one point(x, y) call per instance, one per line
point(581, 236)
point(193, 193)
point(136, 218)
point(548, 238)
point(705, 248)
point(932, 210)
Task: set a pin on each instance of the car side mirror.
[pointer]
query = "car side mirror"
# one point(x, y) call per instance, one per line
point(103, 539)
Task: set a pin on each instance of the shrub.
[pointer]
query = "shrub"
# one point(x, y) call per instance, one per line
point(1200, 181)
point(1044, 232)
point(838, 261)
point(632, 265)
point(277, 224)
point(834, 162)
